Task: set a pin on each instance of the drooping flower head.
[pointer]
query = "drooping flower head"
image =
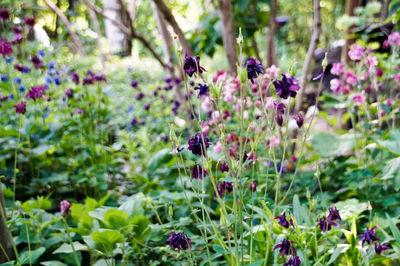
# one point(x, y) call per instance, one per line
point(254, 68)
point(35, 92)
point(134, 84)
point(334, 214)
point(88, 81)
point(196, 144)
point(20, 108)
point(100, 77)
point(356, 53)
point(5, 48)
point(380, 247)
point(75, 78)
point(282, 220)
point(17, 38)
point(299, 119)
point(4, 14)
point(350, 77)
point(369, 236)
point(286, 87)
point(358, 99)
point(293, 261)
point(36, 61)
point(69, 93)
point(203, 90)
point(179, 241)
point(224, 187)
point(253, 186)
point(197, 172)
point(64, 208)
point(30, 22)
point(21, 68)
point(223, 166)
point(280, 110)
point(192, 65)
point(286, 247)
point(326, 225)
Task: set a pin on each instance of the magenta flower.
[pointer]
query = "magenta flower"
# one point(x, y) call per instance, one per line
point(20, 108)
point(389, 102)
point(326, 225)
point(30, 22)
point(17, 29)
point(35, 93)
point(69, 93)
point(4, 14)
point(224, 187)
point(64, 208)
point(280, 110)
point(356, 53)
point(17, 38)
point(397, 77)
point(75, 78)
point(79, 111)
point(358, 99)
point(179, 241)
point(134, 84)
point(286, 247)
point(253, 186)
point(394, 38)
point(36, 61)
point(223, 166)
point(350, 77)
point(337, 69)
point(5, 48)
point(203, 90)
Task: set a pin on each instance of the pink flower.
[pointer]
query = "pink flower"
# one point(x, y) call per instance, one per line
point(294, 158)
point(394, 38)
point(271, 72)
point(206, 105)
point(64, 208)
point(356, 53)
point(79, 111)
point(337, 69)
point(269, 103)
point(371, 62)
point(379, 72)
point(276, 141)
point(335, 85)
point(5, 48)
point(358, 99)
point(345, 89)
point(389, 102)
point(350, 77)
point(397, 77)
point(217, 147)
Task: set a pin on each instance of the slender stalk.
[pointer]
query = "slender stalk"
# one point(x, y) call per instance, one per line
point(72, 244)
point(15, 161)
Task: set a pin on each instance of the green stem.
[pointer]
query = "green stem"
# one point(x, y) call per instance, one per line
point(72, 244)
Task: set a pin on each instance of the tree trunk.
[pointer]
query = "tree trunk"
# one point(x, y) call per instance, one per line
point(95, 22)
point(228, 33)
point(310, 54)
point(118, 41)
point(271, 48)
point(166, 38)
point(171, 20)
point(350, 7)
point(5, 240)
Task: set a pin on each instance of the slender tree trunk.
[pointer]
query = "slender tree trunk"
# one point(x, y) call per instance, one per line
point(69, 27)
point(271, 47)
point(310, 54)
point(228, 33)
point(350, 7)
point(5, 240)
point(95, 22)
point(118, 41)
point(166, 38)
point(171, 20)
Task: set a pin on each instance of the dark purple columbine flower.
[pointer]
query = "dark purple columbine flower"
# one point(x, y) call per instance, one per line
point(192, 65)
point(100, 77)
point(69, 93)
point(254, 68)
point(64, 208)
point(35, 92)
point(223, 166)
point(4, 14)
point(286, 87)
point(20, 108)
point(134, 84)
point(369, 236)
point(293, 261)
point(21, 68)
point(282, 220)
point(253, 186)
point(17, 29)
point(177, 81)
point(203, 90)
point(326, 225)
point(197, 172)
point(4, 98)
point(88, 81)
point(196, 144)
point(30, 22)
point(380, 247)
point(286, 247)
point(280, 110)
point(299, 119)
point(36, 61)
point(134, 122)
point(75, 78)
point(140, 96)
point(5, 48)
point(224, 187)
point(179, 241)
point(146, 106)
point(334, 214)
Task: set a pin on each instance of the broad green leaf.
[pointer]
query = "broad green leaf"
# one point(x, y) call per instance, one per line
point(67, 248)
point(328, 145)
point(161, 157)
point(52, 263)
point(393, 228)
point(40, 150)
point(107, 236)
point(34, 255)
point(115, 218)
point(392, 169)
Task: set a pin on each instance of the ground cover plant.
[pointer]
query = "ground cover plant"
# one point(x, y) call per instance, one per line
point(128, 138)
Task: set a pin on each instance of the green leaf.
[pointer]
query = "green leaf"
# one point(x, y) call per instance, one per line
point(34, 256)
point(53, 263)
point(393, 228)
point(115, 218)
point(39, 203)
point(107, 236)
point(392, 144)
point(328, 145)
point(296, 209)
point(392, 169)
point(335, 254)
point(159, 158)
point(40, 150)
point(67, 248)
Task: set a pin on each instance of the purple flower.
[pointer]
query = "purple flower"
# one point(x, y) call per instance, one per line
point(286, 87)
point(224, 187)
point(134, 122)
point(20, 108)
point(100, 77)
point(35, 92)
point(380, 247)
point(5, 48)
point(254, 68)
point(36, 61)
point(369, 236)
point(140, 96)
point(293, 261)
point(282, 220)
point(192, 65)
point(196, 144)
point(326, 225)
point(203, 89)
point(30, 22)
point(75, 78)
point(79, 111)
point(88, 81)
point(299, 120)
point(17, 38)
point(280, 110)
point(334, 214)
point(197, 172)
point(146, 106)
point(286, 247)
point(4, 98)
point(17, 29)
point(4, 14)
point(223, 166)
point(134, 84)
point(64, 208)
point(356, 53)
point(179, 241)
point(69, 93)
point(253, 186)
